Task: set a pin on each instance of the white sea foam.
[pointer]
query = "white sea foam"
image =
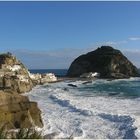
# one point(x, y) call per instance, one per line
point(67, 113)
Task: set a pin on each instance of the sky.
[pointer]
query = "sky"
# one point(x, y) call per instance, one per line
point(50, 35)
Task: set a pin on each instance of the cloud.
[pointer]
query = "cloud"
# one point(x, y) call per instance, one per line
point(56, 59)
point(62, 58)
point(113, 43)
point(133, 56)
point(134, 38)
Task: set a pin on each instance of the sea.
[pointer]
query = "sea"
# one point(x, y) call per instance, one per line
point(57, 72)
point(101, 109)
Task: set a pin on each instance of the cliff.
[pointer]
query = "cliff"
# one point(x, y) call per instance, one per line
point(14, 75)
point(107, 61)
point(16, 111)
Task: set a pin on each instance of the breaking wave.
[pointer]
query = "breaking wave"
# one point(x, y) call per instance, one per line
point(99, 109)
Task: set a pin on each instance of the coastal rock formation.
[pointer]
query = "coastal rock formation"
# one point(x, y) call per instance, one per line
point(14, 75)
point(48, 78)
point(90, 75)
point(43, 78)
point(107, 61)
point(17, 111)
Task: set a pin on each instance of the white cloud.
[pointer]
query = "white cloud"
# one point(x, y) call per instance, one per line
point(113, 43)
point(133, 56)
point(54, 59)
point(134, 38)
point(62, 58)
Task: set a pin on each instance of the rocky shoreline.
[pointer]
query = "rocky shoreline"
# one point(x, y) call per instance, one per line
point(15, 79)
point(16, 110)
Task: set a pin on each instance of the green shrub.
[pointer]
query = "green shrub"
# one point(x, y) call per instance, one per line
point(3, 133)
point(23, 133)
point(30, 133)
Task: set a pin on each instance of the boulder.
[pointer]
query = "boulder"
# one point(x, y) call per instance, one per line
point(17, 111)
point(48, 78)
point(107, 61)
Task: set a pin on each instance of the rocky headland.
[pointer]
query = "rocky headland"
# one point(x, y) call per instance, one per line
point(16, 111)
point(107, 61)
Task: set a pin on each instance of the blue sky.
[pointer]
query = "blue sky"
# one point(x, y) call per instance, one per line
point(52, 34)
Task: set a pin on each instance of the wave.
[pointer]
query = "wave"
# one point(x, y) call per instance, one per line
point(71, 108)
point(71, 112)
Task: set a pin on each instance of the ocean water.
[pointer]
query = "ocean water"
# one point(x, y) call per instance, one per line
point(57, 72)
point(101, 109)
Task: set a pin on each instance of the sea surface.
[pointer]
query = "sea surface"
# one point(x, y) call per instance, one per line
point(100, 109)
point(57, 72)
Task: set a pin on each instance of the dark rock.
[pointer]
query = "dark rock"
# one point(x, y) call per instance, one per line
point(113, 94)
point(66, 89)
point(107, 61)
point(87, 82)
point(71, 85)
point(51, 135)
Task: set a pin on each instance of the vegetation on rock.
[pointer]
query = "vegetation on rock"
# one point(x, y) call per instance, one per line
point(23, 133)
point(107, 61)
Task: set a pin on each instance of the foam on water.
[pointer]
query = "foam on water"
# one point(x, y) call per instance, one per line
point(82, 113)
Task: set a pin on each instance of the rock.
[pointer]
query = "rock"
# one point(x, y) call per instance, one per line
point(65, 89)
point(72, 85)
point(107, 61)
point(51, 135)
point(14, 75)
point(90, 75)
point(87, 82)
point(43, 78)
point(17, 111)
point(113, 94)
point(48, 77)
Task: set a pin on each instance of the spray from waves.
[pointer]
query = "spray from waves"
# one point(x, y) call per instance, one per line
point(66, 114)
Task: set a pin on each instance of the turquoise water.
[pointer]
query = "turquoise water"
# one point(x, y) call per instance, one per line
point(129, 88)
point(119, 88)
point(102, 109)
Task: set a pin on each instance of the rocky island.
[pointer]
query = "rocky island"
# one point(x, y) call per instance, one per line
point(16, 111)
point(107, 61)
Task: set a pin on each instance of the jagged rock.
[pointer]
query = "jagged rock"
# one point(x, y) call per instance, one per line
point(72, 85)
point(107, 61)
point(17, 111)
point(14, 75)
point(48, 77)
point(43, 78)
